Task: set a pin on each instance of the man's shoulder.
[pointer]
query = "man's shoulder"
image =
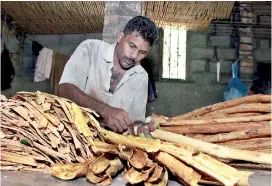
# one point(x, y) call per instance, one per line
point(140, 75)
point(140, 71)
point(94, 43)
point(93, 47)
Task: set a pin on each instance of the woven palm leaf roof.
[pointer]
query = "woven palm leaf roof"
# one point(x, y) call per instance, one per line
point(59, 17)
point(192, 15)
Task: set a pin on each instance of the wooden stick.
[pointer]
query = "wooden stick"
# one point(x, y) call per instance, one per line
point(252, 107)
point(254, 143)
point(164, 120)
point(16, 158)
point(268, 150)
point(237, 135)
point(48, 151)
point(148, 145)
point(258, 98)
point(264, 117)
point(213, 149)
point(207, 165)
point(185, 173)
point(263, 148)
point(160, 118)
point(227, 172)
point(242, 114)
point(218, 128)
point(251, 166)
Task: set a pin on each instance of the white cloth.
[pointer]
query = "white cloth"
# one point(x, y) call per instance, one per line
point(89, 68)
point(43, 65)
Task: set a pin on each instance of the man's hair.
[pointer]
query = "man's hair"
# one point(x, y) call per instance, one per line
point(260, 86)
point(144, 26)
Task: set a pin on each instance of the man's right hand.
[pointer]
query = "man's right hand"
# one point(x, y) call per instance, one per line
point(116, 119)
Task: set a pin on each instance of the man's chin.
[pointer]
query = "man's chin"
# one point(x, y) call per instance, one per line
point(126, 66)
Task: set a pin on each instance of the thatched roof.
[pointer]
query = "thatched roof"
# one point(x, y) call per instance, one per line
point(58, 17)
point(192, 15)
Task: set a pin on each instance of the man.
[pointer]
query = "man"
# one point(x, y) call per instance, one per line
point(262, 83)
point(260, 86)
point(109, 78)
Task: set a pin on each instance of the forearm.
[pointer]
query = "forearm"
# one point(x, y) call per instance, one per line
point(73, 93)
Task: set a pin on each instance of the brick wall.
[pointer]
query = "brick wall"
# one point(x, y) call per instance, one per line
point(201, 87)
point(117, 14)
point(246, 41)
point(25, 67)
point(204, 50)
point(262, 50)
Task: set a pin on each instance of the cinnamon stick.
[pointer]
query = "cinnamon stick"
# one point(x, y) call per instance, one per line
point(213, 149)
point(264, 117)
point(242, 114)
point(254, 143)
point(236, 135)
point(257, 98)
point(186, 174)
point(252, 107)
point(218, 128)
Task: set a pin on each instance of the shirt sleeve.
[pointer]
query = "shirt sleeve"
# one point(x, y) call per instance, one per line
point(138, 107)
point(76, 70)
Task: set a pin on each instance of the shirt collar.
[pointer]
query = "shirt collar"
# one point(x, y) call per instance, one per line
point(108, 57)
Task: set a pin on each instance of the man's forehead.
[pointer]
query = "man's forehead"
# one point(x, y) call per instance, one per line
point(134, 35)
point(136, 38)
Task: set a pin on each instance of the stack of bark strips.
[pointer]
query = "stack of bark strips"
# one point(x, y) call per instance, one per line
point(38, 130)
point(42, 132)
point(240, 127)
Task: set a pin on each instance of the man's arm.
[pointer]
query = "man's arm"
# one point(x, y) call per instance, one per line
point(73, 93)
point(115, 118)
point(73, 81)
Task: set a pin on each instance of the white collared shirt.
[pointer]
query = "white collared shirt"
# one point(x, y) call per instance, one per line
point(89, 68)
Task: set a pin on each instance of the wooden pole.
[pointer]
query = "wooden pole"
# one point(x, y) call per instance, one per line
point(213, 149)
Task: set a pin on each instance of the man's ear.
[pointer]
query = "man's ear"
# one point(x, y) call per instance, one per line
point(121, 35)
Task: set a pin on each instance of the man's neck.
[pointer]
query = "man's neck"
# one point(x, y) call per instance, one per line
point(117, 73)
point(116, 63)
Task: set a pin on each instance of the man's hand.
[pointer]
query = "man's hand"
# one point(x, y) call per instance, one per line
point(116, 119)
point(143, 129)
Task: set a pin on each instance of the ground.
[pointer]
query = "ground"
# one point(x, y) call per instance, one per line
point(11, 178)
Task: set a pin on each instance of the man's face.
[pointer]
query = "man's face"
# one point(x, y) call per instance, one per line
point(132, 49)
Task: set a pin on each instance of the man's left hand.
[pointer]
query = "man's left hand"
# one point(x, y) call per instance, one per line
point(142, 129)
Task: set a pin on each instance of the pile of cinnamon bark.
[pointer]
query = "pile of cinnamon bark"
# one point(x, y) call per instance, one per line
point(243, 124)
point(38, 130)
point(43, 132)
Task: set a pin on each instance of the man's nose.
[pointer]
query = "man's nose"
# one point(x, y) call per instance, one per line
point(133, 54)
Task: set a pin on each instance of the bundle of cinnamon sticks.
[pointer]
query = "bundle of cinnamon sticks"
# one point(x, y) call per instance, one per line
point(243, 124)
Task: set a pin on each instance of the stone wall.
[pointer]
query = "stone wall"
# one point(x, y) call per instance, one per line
point(25, 67)
point(117, 14)
point(262, 50)
point(201, 61)
point(201, 88)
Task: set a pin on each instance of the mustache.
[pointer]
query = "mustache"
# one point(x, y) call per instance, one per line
point(130, 59)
